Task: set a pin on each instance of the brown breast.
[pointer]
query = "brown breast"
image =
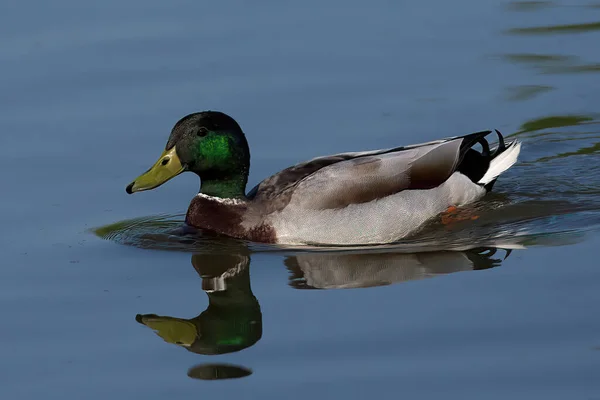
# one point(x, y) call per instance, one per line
point(225, 217)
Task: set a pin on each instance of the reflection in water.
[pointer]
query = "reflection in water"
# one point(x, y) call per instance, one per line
point(528, 5)
point(555, 121)
point(232, 321)
point(594, 148)
point(554, 29)
point(552, 63)
point(343, 271)
point(233, 318)
point(537, 60)
point(526, 92)
point(210, 372)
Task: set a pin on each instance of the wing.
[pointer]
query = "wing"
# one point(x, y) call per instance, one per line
point(348, 178)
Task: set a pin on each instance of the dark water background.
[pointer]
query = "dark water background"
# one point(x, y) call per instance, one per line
point(89, 93)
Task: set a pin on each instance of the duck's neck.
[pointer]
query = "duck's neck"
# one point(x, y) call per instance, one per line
point(231, 186)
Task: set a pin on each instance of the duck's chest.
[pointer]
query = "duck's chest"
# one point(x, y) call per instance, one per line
point(228, 217)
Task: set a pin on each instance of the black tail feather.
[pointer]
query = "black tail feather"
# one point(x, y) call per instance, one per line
point(470, 141)
point(501, 144)
point(485, 147)
point(473, 163)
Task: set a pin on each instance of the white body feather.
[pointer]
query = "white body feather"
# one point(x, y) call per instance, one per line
point(380, 221)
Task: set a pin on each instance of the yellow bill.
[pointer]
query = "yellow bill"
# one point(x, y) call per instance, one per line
point(168, 166)
point(172, 330)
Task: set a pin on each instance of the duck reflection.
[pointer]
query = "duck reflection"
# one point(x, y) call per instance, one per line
point(360, 270)
point(233, 319)
point(211, 372)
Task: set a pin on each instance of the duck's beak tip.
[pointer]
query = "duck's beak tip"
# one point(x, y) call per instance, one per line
point(129, 188)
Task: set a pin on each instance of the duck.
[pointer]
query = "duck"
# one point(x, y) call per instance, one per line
point(353, 198)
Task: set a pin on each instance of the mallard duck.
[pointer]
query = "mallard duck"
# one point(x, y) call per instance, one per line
point(370, 197)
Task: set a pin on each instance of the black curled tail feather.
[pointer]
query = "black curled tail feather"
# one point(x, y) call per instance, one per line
point(501, 145)
point(474, 164)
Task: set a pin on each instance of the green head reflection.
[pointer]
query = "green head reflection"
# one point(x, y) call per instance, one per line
point(233, 319)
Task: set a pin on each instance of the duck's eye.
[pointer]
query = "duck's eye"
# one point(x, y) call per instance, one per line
point(202, 131)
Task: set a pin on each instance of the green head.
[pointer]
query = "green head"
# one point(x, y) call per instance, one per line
point(212, 145)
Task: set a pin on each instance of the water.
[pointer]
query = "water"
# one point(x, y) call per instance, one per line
point(89, 94)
